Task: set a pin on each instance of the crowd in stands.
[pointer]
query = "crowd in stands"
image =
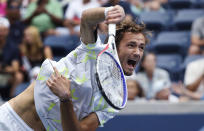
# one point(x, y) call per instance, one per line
point(172, 67)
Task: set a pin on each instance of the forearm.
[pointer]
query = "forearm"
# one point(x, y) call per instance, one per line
point(197, 41)
point(90, 19)
point(68, 117)
point(56, 20)
point(93, 16)
point(29, 19)
point(192, 95)
point(194, 86)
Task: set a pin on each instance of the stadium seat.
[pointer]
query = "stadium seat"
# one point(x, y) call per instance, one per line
point(198, 3)
point(184, 18)
point(179, 4)
point(171, 63)
point(62, 45)
point(172, 42)
point(155, 20)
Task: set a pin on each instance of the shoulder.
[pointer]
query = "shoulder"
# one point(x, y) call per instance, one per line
point(161, 71)
point(196, 64)
point(198, 22)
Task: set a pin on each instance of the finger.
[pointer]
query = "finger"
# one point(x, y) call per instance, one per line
point(113, 12)
point(56, 72)
point(114, 21)
point(52, 77)
point(48, 83)
point(113, 16)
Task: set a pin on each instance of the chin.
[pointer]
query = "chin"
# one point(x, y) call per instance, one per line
point(128, 73)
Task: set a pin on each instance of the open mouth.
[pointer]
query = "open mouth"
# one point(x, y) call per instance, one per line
point(132, 63)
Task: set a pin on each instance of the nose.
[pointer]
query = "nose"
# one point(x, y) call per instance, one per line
point(136, 52)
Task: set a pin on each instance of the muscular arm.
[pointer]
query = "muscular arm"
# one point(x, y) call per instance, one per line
point(90, 19)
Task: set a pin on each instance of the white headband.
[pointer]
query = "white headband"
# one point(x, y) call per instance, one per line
point(4, 22)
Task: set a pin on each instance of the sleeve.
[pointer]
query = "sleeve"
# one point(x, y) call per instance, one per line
point(196, 26)
point(106, 114)
point(167, 80)
point(69, 13)
point(56, 9)
point(29, 11)
point(102, 109)
point(192, 68)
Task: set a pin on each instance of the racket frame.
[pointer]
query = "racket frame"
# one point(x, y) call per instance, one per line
point(111, 47)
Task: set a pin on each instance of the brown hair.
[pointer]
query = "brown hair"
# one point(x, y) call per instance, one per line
point(130, 26)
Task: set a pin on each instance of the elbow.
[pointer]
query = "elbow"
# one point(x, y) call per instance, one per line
point(191, 88)
point(84, 17)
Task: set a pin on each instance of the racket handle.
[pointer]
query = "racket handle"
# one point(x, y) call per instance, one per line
point(112, 29)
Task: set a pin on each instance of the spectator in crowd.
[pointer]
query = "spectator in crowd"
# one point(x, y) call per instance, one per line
point(194, 76)
point(136, 6)
point(197, 37)
point(151, 78)
point(24, 6)
point(74, 12)
point(9, 60)
point(135, 91)
point(2, 8)
point(46, 15)
point(33, 51)
point(16, 25)
point(153, 5)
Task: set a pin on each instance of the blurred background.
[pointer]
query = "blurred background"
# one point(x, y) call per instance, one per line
point(166, 92)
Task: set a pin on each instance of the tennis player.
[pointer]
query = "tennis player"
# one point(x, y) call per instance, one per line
point(82, 106)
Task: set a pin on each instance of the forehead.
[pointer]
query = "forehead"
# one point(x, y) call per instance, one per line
point(137, 37)
point(150, 56)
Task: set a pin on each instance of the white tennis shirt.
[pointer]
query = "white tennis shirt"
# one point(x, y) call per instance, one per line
point(79, 66)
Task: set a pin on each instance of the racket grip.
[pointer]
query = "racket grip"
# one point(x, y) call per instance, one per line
point(112, 29)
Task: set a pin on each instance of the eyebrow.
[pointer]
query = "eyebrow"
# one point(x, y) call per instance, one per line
point(136, 43)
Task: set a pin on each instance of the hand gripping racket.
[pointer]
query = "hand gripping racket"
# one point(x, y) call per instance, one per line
point(109, 73)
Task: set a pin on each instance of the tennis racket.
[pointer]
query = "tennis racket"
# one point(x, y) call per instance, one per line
point(109, 73)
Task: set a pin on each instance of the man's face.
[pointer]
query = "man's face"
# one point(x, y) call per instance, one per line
point(130, 51)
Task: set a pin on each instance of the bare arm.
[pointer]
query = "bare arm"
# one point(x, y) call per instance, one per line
point(194, 85)
point(60, 86)
point(197, 41)
point(92, 17)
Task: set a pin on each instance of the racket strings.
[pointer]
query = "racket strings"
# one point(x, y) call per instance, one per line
point(110, 78)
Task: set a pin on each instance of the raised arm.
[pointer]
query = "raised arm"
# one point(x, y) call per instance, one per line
point(92, 17)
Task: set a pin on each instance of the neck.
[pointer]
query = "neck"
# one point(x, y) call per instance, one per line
point(150, 75)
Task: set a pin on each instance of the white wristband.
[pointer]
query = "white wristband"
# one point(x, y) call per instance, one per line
point(106, 11)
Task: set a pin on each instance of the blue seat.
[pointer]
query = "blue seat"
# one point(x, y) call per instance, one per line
point(171, 63)
point(155, 20)
point(62, 45)
point(172, 42)
point(198, 3)
point(184, 18)
point(179, 4)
